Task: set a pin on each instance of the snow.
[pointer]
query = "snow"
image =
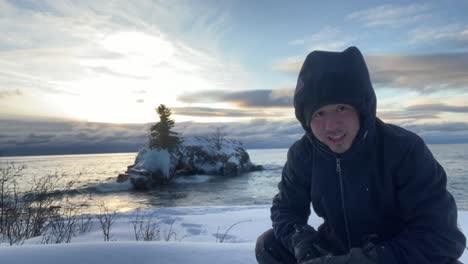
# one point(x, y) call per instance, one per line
point(234, 160)
point(226, 146)
point(206, 155)
point(209, 167)
point(131, 252)
point(153, 160)
point(196, 240)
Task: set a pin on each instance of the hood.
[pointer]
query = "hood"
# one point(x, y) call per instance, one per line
point(335, 78)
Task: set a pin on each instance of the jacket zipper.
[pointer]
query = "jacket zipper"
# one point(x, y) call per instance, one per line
point(343, 206)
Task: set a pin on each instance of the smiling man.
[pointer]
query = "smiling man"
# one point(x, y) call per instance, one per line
point(379, 190)
point(335, 125)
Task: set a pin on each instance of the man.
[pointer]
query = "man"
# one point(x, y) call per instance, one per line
point(379, 190)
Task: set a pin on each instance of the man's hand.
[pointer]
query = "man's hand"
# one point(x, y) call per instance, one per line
point(305, 240)
point(355, 256)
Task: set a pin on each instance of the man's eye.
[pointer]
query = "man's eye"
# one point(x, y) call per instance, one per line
point(318, 114)
point(342, 108)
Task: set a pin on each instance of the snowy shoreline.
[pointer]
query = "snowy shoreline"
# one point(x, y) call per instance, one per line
point(198, 230)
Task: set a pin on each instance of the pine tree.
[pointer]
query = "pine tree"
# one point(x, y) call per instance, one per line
point(161, 136)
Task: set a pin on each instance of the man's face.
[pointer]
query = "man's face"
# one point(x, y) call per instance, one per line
point(335, 125)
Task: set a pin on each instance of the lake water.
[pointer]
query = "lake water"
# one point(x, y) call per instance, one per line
point(95, 177)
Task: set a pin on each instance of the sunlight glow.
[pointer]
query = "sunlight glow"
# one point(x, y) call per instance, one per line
point(110, 100)
point(137, 44)
point(126, 88)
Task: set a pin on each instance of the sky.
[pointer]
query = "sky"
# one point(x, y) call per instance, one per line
point(90, 73)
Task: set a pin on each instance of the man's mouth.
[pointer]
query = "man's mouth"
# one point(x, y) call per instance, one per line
point(336, 138)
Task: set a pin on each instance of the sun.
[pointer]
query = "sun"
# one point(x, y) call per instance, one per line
point(127, 86)
point(140, 72)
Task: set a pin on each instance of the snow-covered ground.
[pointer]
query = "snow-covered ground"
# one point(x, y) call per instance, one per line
point(198, 231)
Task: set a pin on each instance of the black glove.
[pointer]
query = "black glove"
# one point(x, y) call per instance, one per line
point(304, 241)
point(355, 256)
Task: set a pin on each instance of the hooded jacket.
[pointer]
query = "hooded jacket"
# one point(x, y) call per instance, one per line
point(386, 189)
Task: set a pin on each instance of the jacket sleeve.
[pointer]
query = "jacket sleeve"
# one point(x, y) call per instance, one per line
point(428, 210)
point(291, 205)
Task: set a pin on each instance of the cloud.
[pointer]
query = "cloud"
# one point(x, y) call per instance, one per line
point(407, 115)
point(9, 93)
point(141, 91)
point(423, 73)
point(68, 137)
point(15, 72)
point(279, 98)
point(258, 133)
point(289, 65)
point(18, 132)
point(438, 108)
point(415, 113)
point(453, 35)
point(441, 133)
point(328, 38)
point(220, 112)
point(103, 70)
point(33, 139)
point(78, 48)
point(392, 15)
point(440, 127)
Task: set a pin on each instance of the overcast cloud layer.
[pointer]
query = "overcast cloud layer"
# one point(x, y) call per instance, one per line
point(421, 73)
point(63, 137)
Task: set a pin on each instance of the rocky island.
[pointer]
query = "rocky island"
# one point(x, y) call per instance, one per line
point(169, 155)
point(194, 155)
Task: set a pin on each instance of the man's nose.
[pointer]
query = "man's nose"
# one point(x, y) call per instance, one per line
point(332, 122)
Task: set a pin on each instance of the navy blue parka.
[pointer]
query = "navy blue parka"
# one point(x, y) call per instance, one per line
point(386, 189)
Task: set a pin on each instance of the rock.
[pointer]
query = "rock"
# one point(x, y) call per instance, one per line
point(148, 180)
point(214, 158)
point(139, 183)
point(195, 155)
point(257, 168)
point(230, 169)
point(122, 177)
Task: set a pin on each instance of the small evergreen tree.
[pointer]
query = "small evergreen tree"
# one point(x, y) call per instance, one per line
point(161, 136)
